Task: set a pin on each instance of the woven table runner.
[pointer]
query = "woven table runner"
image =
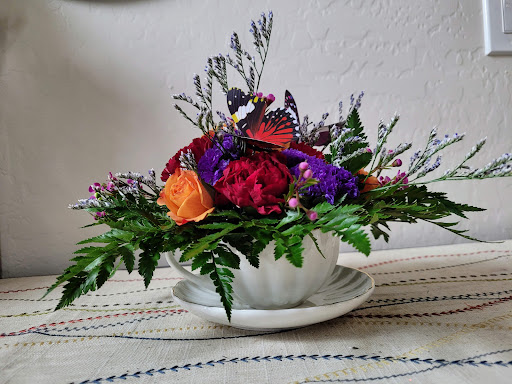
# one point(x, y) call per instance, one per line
point(437, 315)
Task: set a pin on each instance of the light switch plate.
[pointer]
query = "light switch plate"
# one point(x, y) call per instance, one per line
point(506, 10)
point(497, 42)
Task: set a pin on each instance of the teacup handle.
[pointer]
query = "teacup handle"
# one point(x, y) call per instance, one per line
point(201, 281)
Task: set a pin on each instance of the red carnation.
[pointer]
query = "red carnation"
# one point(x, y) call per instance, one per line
point(198, 148)
point(259, 181)
point(304, 148)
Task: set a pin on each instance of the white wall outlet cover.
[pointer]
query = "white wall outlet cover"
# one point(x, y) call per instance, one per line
point(496, 21)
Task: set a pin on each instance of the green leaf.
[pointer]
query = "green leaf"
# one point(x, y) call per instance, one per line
point(128, 257)
point(208, 242)
point(242, 242)
point(358, 162)
point(294, 230)
point(323, 207)
point(294, 254)
point(267, 220)
point(377, 232)
point(315, 241)
point(230, 214)
point(207, 268)
point(227, 258)
point(196, 249)
point(147, 263)
point(279, 248)
point(74, 288)
point(86, 250)
point(222, 279)
point(83, 264)
point(220, 225)
point(200, 260)
point(112, 235)
point(357, 238)
point(106, 270)
point(290, 217)
point(342, 221)
point(257, 247)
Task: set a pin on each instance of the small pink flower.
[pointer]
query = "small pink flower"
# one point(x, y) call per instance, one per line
point(293, 202)
point(384, 180)
point(312, 215)
point(303, 166)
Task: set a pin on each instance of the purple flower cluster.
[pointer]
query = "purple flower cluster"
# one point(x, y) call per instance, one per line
point(215, 160)
point(333, 181)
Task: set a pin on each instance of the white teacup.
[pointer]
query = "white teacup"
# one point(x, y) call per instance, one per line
point(275, 284)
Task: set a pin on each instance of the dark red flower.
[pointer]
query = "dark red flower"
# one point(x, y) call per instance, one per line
point(259, 181)
point(304, 148)
point(198, 148)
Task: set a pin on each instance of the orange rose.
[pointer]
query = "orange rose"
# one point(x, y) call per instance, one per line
point(186, 198)
point(371, 182)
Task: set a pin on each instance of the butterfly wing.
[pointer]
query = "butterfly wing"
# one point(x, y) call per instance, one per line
point(277, 127)
point(246, 111)
point(289, 103)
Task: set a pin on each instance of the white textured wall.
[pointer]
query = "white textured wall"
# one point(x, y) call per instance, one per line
point(85, 88)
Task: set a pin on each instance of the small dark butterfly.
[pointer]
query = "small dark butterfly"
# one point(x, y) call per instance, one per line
point(273, 129)
point(324, 136)
point(289, 104)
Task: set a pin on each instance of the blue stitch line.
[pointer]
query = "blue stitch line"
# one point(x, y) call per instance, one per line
point(381, 377)
point(441, 362)
point(112, 324)
point(444, 363)
point(55, 329)
point(444, 267)
point(433, 299)
point(168, 339)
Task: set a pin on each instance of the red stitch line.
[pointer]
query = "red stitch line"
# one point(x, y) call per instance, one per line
point(93, 318)
point(429, 256)
point(24, 290)
point(113, 280)
point(450, 312)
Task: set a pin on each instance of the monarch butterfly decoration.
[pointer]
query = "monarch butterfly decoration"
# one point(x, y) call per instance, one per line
point(274, 129)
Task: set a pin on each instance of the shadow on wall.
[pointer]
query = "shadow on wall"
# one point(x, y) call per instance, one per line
point(51, 95)
point(10, 28)
point(113, 2)
point(3, 40)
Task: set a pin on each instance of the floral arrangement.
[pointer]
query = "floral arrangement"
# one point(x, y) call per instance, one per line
point(260, 175)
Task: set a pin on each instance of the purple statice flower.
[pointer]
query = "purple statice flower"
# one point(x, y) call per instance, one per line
point(215, 160)
point(334, 181)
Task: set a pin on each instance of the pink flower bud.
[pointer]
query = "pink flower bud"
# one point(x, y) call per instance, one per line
point(293, 202)
point(271, 97)
point(308, 174)
point(303, 166)
point(396, 163)
point(368, 150)
point(312, 215)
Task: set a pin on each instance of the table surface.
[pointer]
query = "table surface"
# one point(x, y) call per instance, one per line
point(438, 314)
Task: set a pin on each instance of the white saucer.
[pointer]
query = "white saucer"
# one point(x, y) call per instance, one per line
point(346, 289)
